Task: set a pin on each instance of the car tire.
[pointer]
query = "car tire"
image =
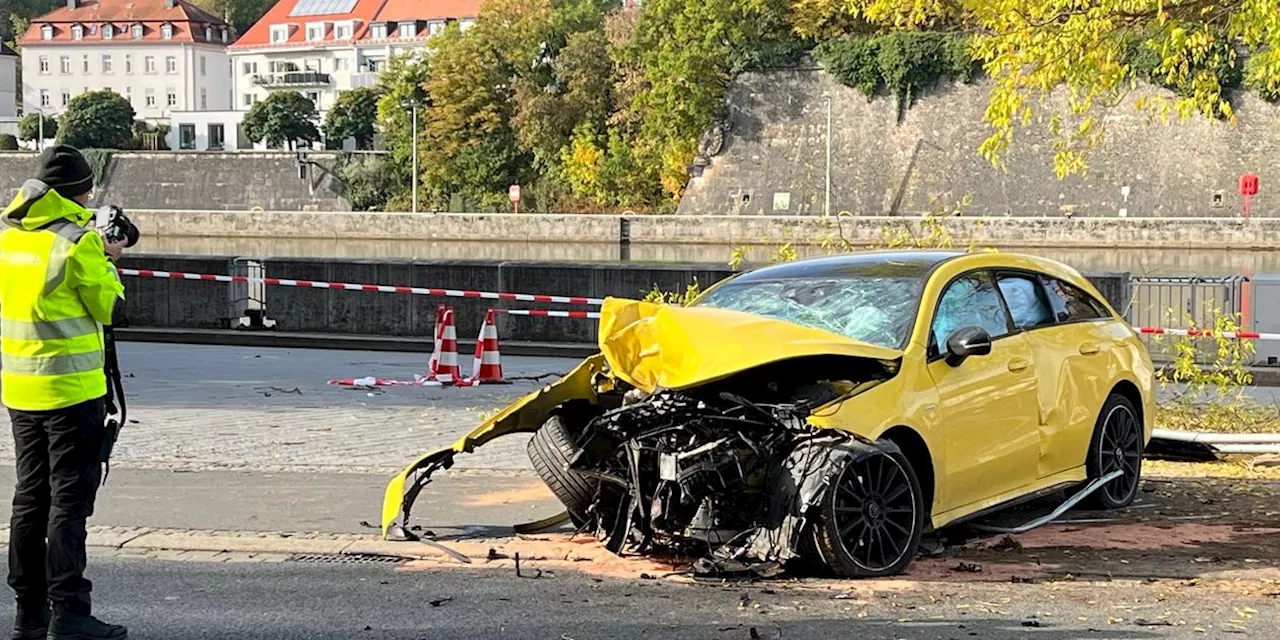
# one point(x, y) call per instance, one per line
point(1116, 445)
point(857, 540)
point(550, 450)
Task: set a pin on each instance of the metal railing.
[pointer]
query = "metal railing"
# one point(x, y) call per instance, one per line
point(1184, 302)
point(293, 79)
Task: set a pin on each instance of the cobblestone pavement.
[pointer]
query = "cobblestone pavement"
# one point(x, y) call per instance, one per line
point(200, 407)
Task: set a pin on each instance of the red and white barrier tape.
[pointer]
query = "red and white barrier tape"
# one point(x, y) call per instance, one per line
point(1208, 333)
point(546, 313)
point(381, 288)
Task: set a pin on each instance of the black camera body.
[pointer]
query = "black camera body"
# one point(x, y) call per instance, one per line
point(116, 226)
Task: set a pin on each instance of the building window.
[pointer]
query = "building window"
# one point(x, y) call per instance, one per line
point(171, 65)
point(379, 31)
point(44, 64)
point(66, 98)
point(208, 34)
point(279, 33)
point(166, 31)
point(225, 36)
point(65, 63)
point(248, 99)
point(408, 29)
point(85, 62)
point(340, 64)
point(108, 32)
point(128, 64)
point(137, 32)
point(149, 64)
point(466, 23)
point(217, 137)
point(172, 99)
point(315, 31)
point(204, 99)
point(435, 27)
point(44, 97)
point(186, 136)
point(151, 97)
point(128, 95)
point(46, 32)
point(77, 32)
point(342, 31)
point(202, 66)
point(106, 64)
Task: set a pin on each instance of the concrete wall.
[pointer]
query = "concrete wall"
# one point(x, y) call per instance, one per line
point(773, 160)
point(727, 231)
point(166, 180)
point(165, 303)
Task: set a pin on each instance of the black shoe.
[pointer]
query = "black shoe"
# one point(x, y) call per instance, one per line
point(76, 626)
point(31, 623)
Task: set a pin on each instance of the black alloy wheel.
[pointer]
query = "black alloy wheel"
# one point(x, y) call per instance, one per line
point(871, 517)
point(1116, 446)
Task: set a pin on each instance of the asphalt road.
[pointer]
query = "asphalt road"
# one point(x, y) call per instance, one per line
point(197, 601)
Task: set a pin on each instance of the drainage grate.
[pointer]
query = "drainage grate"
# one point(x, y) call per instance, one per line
point(345, 558)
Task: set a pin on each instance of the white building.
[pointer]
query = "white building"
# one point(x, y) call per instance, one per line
point(320, 48)
point(8, 91)
point(163, 55)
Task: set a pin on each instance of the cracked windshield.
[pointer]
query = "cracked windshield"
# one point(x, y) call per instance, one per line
point(873, 309)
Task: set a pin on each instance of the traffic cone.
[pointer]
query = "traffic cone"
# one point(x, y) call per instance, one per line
point(433, 364)
point(447, 370)
point(487, 368)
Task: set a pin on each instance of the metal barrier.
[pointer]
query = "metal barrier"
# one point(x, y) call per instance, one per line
point(1184, 302)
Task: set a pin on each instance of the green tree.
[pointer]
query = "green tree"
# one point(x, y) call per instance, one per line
point(241, 14)
point(284, 117)
point(8, 142)
point(98, 119)
point(355, 115)
point(29, 127)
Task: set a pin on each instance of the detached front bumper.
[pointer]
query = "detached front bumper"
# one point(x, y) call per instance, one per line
point(525, 415)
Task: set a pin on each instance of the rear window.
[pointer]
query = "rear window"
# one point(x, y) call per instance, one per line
point(879, 310)
point(1072, 304)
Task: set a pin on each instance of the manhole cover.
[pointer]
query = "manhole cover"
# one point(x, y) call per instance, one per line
point(345, 558)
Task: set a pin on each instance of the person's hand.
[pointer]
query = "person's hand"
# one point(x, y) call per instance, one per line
point(114, 249)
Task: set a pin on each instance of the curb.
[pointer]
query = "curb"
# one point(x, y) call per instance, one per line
point(236, 338)
point(274, 543)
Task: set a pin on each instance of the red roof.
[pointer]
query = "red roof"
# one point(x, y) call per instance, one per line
point(364, 12)
point(396, 10)
point(188, 21)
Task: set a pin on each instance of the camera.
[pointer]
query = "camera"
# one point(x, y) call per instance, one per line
point(116, 226)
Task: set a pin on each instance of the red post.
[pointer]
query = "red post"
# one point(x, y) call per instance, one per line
point(1248, 189)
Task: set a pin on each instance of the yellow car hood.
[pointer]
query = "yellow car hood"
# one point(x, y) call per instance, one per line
point(657, 346)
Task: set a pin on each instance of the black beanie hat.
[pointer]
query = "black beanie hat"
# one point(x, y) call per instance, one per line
point(65, 171)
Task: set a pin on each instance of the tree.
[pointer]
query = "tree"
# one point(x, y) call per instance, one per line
point(29, 127)
point(97, 119)
point(8, 142)
point(285, 116)
point(355, 116)
point(240, 13)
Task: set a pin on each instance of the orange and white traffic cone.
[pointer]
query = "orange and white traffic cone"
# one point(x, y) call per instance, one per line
point(447, 370)
point(433, 364)
point(488, 363)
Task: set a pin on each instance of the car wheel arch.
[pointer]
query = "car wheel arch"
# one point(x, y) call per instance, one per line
point(917, 452)
point(1131, 393)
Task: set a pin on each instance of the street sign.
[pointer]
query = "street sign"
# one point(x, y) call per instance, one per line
point(514, 193)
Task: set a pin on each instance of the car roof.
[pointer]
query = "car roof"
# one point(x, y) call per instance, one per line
point(896, 263)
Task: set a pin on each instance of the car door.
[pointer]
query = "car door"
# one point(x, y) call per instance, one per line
point(1072, 358)
point(986, 404)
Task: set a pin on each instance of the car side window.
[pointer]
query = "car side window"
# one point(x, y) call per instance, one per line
point(970, 300)
point(1072, 304)
point(1027, 302)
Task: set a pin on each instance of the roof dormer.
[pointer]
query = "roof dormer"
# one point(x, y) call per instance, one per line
point(166, 31)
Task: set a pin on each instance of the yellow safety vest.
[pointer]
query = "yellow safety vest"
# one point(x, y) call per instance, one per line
point(57, 289)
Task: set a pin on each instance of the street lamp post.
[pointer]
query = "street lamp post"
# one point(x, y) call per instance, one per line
point(412, 105)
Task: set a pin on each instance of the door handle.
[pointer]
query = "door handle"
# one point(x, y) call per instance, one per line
point(1019, 364)
point(1089, 348)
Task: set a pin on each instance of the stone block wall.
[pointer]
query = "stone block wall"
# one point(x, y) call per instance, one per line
point(773, 158)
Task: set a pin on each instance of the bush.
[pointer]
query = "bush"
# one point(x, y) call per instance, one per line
point(898, 63)
point(370, 182)
point(29, 127)
point(100, 119)
point(8, 142)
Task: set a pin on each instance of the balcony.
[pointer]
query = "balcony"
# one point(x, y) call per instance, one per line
point(364, 79)
point(293, 79)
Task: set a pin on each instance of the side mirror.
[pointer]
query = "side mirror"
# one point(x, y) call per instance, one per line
point(967, 342)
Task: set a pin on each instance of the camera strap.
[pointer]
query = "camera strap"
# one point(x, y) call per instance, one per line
point(117, 410)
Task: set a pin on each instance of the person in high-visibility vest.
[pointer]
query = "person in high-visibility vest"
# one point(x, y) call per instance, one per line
point(58, 287)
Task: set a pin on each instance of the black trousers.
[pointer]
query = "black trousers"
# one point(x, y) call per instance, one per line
point(58, 473)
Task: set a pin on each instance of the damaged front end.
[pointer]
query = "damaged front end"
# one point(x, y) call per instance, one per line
point(674, 439)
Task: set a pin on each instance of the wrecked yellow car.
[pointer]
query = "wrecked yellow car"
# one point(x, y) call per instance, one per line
point(834, 410)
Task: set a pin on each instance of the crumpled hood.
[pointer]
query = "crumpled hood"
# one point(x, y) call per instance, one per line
point(36, 205)
point(657, 346)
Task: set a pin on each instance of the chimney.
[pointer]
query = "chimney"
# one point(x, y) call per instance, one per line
point(168, 3)
point(71, 4)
